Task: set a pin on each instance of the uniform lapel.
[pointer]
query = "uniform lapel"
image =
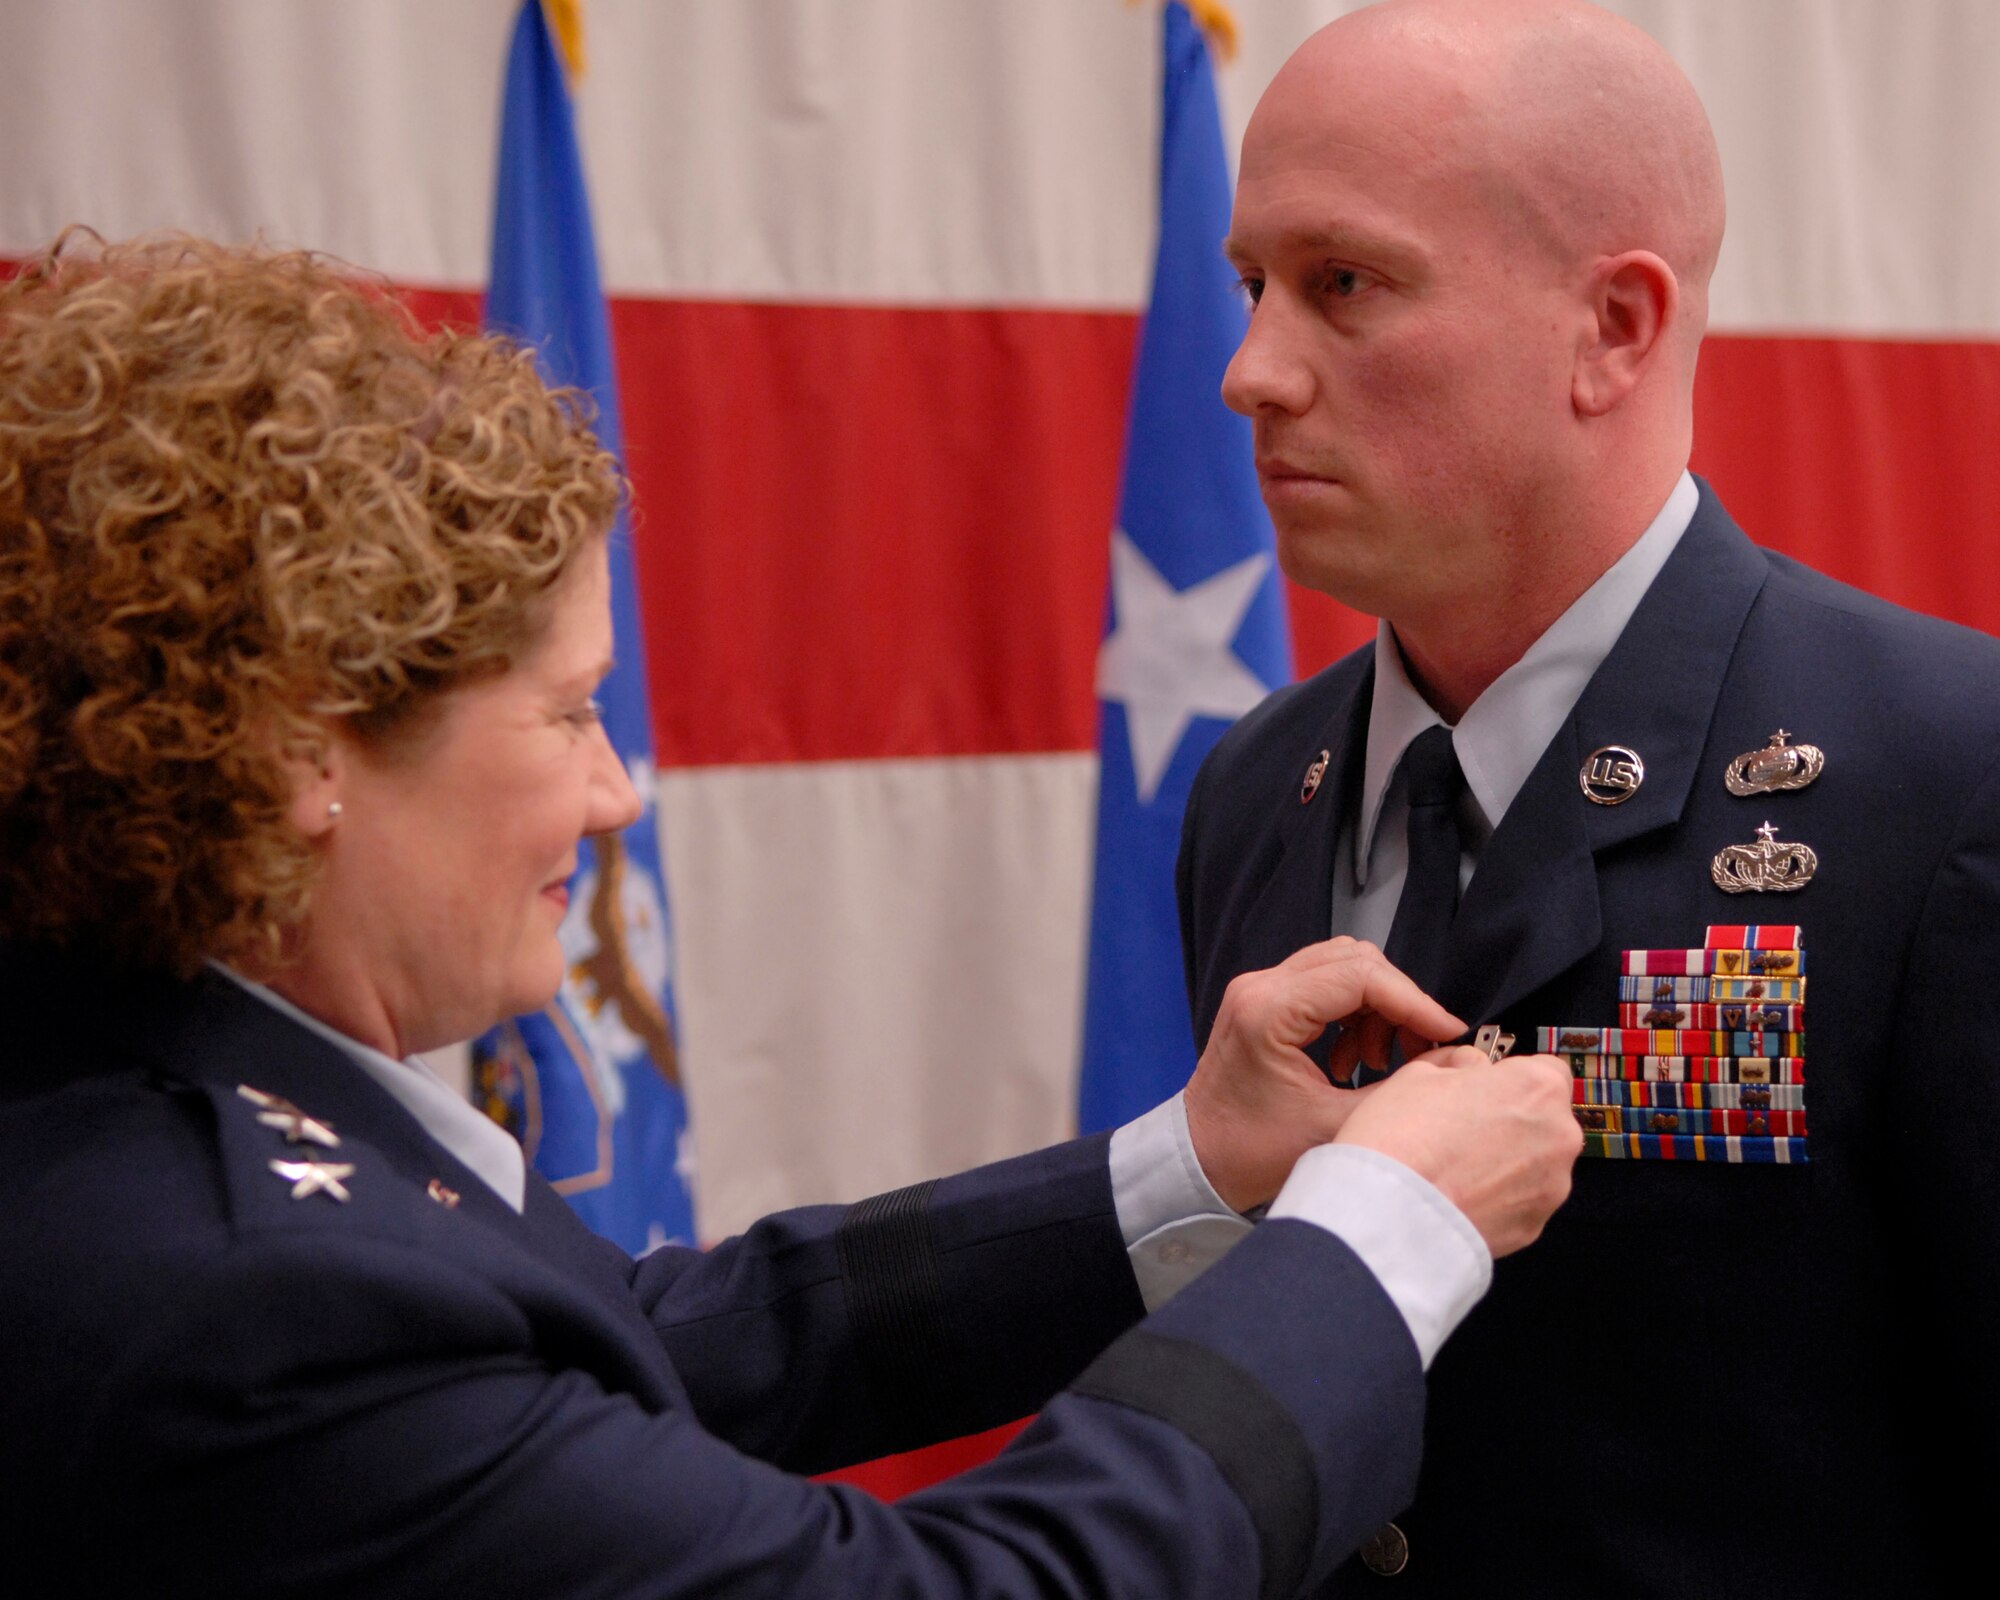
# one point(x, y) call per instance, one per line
point(1532, 910)
point(1295, 907)
point(212, 1032)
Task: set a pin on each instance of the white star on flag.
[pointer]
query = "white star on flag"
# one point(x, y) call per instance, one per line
point(1169, 659)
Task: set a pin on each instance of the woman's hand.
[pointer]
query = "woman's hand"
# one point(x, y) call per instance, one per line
point(1497, 1138)
point(1256, 1103)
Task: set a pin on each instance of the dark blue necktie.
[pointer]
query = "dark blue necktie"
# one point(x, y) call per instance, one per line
point(1420, 937)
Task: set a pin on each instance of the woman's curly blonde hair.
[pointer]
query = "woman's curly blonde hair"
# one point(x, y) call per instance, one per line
point(240, 494)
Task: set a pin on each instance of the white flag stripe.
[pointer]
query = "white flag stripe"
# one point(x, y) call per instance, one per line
point(880, 969)
point(930, 152)
point(368, 128)
point(903, 152)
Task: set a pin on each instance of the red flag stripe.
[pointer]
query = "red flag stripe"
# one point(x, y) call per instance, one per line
point(889, 537)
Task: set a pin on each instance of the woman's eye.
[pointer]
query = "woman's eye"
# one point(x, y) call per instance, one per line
point(589, 714)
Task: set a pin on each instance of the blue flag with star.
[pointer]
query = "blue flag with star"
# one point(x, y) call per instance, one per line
point(591, 1083)
point(1197, 630)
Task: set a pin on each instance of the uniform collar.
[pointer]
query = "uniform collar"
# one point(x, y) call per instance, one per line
point(481, 1144)
point(1504, 732)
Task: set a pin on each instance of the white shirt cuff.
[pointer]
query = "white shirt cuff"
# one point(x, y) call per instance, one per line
point(1421, 1248)
point(1174, 1224)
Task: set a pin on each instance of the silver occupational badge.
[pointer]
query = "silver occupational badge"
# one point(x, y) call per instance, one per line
point(1768, 866)
point(1777, 766)
point(1612, 775)
point(1314, 774)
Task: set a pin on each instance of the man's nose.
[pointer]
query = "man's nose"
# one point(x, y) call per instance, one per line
point(1267, 370)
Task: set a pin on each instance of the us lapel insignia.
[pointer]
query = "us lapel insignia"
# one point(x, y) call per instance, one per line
point(1314, 775)
point(316, 1177)
point(298, 1128)
point(1769, 866)
point(1612, 775)
point(1777, 766)
point(442, 1194)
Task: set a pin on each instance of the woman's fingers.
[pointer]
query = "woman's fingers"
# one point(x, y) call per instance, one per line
point(1351, 982)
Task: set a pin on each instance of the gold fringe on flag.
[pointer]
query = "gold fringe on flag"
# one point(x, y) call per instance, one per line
point(1214, 19)
point(1217, 21)
point(566, 23)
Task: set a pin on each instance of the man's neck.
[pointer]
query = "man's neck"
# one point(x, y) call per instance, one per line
point(1455, 658)
point(1452, 679)
point(1455, 653)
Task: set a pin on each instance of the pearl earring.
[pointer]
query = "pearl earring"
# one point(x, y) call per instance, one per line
point(333, 810)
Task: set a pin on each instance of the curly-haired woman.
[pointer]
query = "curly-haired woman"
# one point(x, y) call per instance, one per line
point(301, 614)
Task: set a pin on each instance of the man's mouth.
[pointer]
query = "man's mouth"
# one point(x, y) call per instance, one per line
point(1277, 469)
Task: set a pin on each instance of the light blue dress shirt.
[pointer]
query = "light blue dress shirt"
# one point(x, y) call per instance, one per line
point(1501, 736)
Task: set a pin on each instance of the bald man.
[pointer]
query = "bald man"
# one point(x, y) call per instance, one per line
point(1755, 1354)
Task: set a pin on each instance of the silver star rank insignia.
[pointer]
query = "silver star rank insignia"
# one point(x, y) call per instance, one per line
point(288, 1119)
point(315, 1177)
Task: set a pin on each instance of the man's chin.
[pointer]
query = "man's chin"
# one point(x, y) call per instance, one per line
point(1331, 561)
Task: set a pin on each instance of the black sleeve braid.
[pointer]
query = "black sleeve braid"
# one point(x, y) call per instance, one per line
point(1252, 1439)
point(895, 1292)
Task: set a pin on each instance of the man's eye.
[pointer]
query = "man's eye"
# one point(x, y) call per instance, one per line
point(1344, 281)
point(590, 713)
point(1252, 289)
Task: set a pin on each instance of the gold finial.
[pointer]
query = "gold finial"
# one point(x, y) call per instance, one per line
point(1217, 21)
point(566, 23)
point(1214, 19)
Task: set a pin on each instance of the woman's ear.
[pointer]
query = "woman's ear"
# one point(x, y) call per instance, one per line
point(317, 765)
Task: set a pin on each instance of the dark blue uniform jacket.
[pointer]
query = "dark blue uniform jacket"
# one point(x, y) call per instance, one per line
point(213, 1388)
point(1706, 1379)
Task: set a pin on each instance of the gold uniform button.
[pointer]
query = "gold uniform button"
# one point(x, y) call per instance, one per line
point(1387, 1553)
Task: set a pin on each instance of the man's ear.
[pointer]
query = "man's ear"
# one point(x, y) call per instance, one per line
point(1633, 301)
point(316, 765)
